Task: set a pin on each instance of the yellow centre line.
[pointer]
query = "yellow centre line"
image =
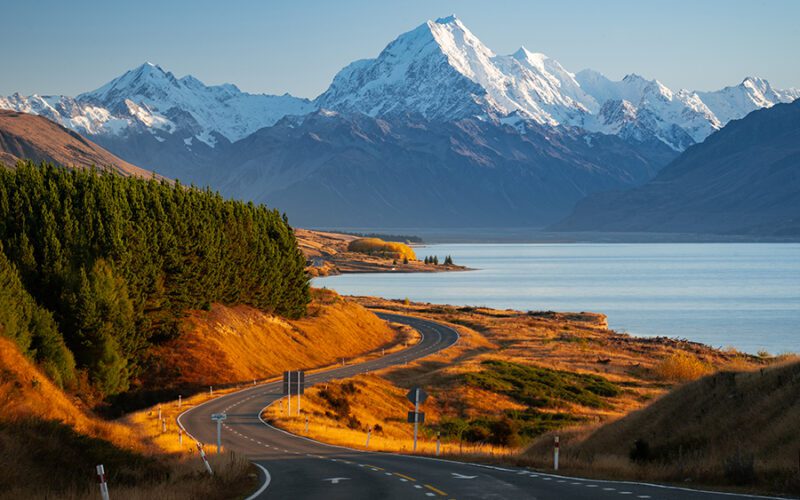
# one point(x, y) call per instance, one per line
point(373, 466)
point(436, 490)
point(404, 476)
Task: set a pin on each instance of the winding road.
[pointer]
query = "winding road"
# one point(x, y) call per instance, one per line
point(294, 467)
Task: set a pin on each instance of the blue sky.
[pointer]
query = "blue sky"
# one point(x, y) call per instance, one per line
point(297, 46)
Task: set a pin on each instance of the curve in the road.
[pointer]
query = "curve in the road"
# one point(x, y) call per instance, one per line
point(296, 467)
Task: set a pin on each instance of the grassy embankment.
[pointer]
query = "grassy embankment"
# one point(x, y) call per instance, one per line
point(225, 344)
point(513, 379)
point(51, 445)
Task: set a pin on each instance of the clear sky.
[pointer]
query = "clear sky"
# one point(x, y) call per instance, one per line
point(276, 46)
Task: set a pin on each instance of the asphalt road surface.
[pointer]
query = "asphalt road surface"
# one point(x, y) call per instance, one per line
point(293, 467)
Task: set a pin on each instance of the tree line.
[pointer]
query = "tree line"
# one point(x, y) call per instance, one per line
point(99, 267)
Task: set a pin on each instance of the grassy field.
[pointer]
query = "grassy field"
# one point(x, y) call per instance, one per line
point(514, 380)
point(738, 428)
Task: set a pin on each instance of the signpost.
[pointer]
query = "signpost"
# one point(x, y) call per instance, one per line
point(416, 396)
point(218, 418)
point(299, 385)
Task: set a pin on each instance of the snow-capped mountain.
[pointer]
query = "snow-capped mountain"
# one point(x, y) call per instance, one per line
point(442, 71)
point(733, 103)
point(148, 98)
point(439, 70)
point(638, 108)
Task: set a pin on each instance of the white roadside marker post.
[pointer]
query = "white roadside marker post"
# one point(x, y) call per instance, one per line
point(101, 479)
point(438, 442)
point(369, 431)
point(180, 436)
point(306, 425)
point(205, 460)
point(555, 453)
point(179, 400)
point(289, 393)
point(163, 425)
point(159, 412)
point(299, 377)
point(210, 390)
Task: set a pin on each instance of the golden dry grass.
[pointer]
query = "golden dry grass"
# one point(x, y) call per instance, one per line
point(729, 428)
point(44, 432)
point(574, 342)
point(681, 367)
point(240, 343)
point(376, 404)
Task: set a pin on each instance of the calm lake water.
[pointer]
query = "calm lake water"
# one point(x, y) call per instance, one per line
point(729, 294)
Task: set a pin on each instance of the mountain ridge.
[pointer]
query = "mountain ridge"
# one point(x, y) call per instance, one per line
point(741, 180)
point(439, 69)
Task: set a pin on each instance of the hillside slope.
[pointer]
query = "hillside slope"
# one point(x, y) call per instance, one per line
point(35, 138)
point(240, 343)
point(730, 427)
point(744, 179)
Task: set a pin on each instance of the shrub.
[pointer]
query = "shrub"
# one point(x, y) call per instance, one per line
point(681, 367)
point(378, 247)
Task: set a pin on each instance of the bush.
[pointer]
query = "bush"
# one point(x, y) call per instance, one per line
point(542, 387)
point(739, 468)
point(378, 247)
point(682, 367)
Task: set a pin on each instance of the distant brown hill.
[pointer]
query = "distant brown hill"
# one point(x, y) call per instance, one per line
point(31, 137)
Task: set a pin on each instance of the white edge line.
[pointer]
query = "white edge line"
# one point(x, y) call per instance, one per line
point(485, 466)
point(267, 480)
point(267, 476)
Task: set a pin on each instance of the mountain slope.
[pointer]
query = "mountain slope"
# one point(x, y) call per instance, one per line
point(744, 179)
point(330, 169)
point(30, 137)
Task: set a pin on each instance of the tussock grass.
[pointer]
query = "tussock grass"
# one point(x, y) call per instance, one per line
point(730, 428)
point(50, 446)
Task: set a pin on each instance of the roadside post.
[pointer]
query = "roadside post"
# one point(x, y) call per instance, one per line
point(163, 425)
point(555, 453)
point(369, 431)
point(219, 418)
point(301, 387)
point(101, 479)
point(210, 390)
point(287, 390)
point(416, 396)
point(205, 460)
point(180, 436)
point(179, 400)
point(438, 442)
point(306, 424)
point(159, 412)
point(298, 381)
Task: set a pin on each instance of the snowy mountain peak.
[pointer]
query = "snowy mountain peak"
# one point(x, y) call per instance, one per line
point(448, 20)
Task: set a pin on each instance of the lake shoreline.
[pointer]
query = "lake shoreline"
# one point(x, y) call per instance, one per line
point(740, 295)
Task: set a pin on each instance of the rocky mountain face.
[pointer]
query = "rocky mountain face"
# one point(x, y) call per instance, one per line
point(329, 169)
point(436, 103)
point(744, 179)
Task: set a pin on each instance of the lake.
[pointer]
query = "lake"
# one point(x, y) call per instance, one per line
point(744, 295)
